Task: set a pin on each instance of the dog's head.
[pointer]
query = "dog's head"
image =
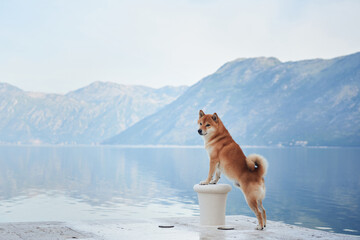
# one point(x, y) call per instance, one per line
point(208, 124)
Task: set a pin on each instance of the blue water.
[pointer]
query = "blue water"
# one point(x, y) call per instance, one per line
point(311, 187)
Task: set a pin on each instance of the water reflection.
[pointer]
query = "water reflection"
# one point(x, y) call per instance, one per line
point(126, 182)
point(317, 188)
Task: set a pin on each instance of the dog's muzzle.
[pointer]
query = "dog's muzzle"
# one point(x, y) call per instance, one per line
point(200, 132)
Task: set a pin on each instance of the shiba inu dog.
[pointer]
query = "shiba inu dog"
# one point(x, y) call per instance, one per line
point(226, 156)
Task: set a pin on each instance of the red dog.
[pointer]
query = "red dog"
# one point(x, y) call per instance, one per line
point(226, 156)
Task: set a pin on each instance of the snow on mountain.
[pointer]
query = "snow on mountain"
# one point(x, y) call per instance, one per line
point(87, 115)
point(263, 101)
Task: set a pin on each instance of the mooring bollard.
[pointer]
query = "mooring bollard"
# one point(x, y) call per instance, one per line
point(212, 203)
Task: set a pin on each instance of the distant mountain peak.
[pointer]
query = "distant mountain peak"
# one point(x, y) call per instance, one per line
point(8, 87)
point(250, 62)
point(87, 115)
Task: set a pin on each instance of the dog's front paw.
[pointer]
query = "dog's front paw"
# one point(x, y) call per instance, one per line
point(204, 183)
point(213, 182)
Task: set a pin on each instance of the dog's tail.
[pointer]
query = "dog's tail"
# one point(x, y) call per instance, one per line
point(257, 163)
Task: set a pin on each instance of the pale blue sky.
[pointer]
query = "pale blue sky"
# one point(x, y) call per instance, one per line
point(61, 45)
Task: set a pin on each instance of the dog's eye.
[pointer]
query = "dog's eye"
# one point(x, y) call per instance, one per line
point(200, 124)
point(207, 125)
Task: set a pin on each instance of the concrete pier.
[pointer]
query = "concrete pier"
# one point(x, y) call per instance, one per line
point(175, 228)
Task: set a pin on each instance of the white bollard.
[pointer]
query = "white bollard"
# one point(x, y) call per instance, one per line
point(212, 203)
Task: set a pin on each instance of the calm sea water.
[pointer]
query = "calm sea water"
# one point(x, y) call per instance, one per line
point(315, 188)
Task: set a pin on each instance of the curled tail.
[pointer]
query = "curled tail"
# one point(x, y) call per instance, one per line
point(257, 163)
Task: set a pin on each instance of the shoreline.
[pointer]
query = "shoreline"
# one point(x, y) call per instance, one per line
point(179, 228)
point(172, 146)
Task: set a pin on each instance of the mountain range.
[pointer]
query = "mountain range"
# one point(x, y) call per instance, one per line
point(86, 116)
point(263, 101)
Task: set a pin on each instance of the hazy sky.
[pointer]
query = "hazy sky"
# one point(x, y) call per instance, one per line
point(61, 45)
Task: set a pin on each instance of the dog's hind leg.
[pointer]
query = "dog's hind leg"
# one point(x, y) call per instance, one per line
point(253, 204)
point(262, 210)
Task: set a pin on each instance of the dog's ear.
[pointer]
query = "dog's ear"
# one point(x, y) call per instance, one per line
point(215, 117)
point(201, 114)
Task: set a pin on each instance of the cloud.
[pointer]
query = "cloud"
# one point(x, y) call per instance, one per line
point(59, 46)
